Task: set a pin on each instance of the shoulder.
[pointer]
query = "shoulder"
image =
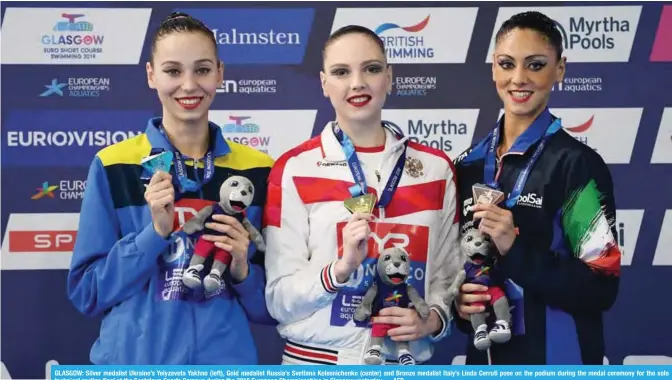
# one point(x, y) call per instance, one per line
point(130, 151)
point(298, 153)
point(573, 155)
point(243, 157)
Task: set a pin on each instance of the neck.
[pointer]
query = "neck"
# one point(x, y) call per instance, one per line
point(190, 139)
point(364, 135)
point(514, 126)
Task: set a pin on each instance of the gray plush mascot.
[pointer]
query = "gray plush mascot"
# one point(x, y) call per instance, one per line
point(389, 290)
point(235, 196)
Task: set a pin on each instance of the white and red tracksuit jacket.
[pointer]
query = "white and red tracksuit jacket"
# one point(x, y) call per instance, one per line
point(304, 219)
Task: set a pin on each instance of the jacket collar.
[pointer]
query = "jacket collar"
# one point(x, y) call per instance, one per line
point(332, 151)
point(160, 141)
point(531, 135)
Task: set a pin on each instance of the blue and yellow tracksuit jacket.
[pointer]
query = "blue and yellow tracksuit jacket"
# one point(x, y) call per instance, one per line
point(122, 269)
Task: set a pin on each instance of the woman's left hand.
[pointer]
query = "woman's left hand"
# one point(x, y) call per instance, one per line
point(234, 239)
point(411, 326)
point(498, 224)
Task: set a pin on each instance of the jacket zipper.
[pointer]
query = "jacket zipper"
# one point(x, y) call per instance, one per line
point(198, 179)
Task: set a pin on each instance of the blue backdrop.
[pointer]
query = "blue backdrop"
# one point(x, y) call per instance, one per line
point(73, 81)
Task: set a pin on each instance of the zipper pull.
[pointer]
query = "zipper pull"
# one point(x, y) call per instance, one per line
point(378, 175)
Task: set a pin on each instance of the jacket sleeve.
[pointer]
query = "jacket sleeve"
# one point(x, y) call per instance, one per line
point(297, 287)
point(108, 268)
point(587, 279)
point(251, 290)
point(446, 258)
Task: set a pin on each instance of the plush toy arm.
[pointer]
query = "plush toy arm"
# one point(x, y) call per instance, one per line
point(255, 235)
point(418, 302)
point(364, 309)
point(197, 223)
point(454, 289)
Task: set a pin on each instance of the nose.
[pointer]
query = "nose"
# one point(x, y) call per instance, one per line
point(189, 84)
point(519, 76)
point(478, 243)
point(396, 265)
point(243, 193)
point(358, 82)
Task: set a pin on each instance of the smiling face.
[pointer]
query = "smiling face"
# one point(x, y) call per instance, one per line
point(525, 68)
point(393, 266)
point(185, 74)
point(236, 194)
point(356, 78)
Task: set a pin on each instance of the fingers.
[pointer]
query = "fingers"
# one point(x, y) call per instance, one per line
point(227, 229)
point(233, 222)
point(160, 200)
point(360, 216)
point(393, 320)
point(487, 207)
point(159, 177)
point(396, 312)
point(489, 215)
point(467, 310)
point(400, 331)
point(471, 288)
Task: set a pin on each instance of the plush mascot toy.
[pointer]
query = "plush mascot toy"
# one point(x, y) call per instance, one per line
point(388, 290)
point(235, 195)
point(480, 269)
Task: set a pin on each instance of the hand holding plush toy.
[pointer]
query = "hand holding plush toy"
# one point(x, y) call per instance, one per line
point(389, 290)
point(235, 195)
point(480, 269)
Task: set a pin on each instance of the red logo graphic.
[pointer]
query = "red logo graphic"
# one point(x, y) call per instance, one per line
point(186, 209)
point(41, 241)
point(413, 239)
point(662, 45)
point(581, 127)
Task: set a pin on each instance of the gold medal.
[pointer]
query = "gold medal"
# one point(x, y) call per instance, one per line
point(363, 204)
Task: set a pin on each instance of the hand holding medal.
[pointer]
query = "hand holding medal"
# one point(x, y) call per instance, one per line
point(160, 194)
point(494, 221)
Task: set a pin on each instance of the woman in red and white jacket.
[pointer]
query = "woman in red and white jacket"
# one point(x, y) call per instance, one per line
point(320, 258)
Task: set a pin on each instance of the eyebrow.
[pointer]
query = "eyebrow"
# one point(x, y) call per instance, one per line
point(204, 60)
point(367, 62)
point(526, 58)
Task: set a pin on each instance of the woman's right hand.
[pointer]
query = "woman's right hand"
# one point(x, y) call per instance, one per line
point(466, 298)
point(160, 197)
point(355, 235)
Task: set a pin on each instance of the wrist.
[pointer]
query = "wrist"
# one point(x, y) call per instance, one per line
point(239, 270)
point(341, 271)
point(434, 324)
point(160, 231)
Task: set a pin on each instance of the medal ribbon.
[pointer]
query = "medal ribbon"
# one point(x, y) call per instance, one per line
point(182, 182)
point(356, 169)
point(490, 163)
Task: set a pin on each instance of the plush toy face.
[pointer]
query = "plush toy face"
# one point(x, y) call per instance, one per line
point(476, 245)
point(393, 266)
point(236, 194)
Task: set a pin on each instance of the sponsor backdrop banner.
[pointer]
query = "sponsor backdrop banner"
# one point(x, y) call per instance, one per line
point(73, 81)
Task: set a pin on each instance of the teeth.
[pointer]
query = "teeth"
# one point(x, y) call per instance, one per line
point(189, 101)
point(359, 99)
point(521, 94)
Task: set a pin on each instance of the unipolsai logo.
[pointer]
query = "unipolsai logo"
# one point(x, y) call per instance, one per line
point(243, 131)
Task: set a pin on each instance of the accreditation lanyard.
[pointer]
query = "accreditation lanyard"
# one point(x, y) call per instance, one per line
point(183, 183)
point(489, 171)
point(358, 174)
